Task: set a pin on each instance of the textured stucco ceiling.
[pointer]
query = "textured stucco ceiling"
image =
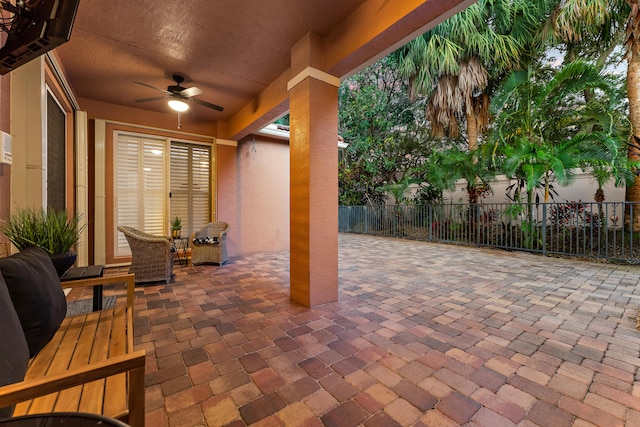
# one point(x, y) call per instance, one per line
point(230, 49)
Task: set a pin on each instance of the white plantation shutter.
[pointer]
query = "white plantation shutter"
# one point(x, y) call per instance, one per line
point(180, 185)
point(201, 188)
point(140, 187)
point(191, 185)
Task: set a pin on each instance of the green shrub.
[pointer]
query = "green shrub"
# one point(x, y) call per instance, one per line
point(51, 230)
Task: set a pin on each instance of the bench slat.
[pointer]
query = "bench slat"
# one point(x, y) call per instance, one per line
point(68, 399)
point(58, 362)
point(71, 354)
point(38, 367)
point(115, 402)
point(94, 392)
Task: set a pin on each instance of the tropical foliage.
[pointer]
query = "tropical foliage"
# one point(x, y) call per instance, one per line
point(386, 134)
point(544, 130)
point(605, 25)
point(455, 64)
point(497, 89)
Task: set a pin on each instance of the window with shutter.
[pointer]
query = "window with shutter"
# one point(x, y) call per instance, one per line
point(140, 187)
point(141, 182)
point(56, 158)
point(191, 185)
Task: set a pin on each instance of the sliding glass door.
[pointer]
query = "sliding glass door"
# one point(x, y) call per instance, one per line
point(156, 179)
point(191, 185)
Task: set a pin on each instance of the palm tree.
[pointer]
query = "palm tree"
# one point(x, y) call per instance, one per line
point(612, 147)
point(596, 17)
point(445, 168)
point(544, 131)
point(455, 65)
point(586, 28)
point(632, 48)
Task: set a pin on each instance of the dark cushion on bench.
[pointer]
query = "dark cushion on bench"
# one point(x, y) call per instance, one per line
point(14, 353)
point(36, 293)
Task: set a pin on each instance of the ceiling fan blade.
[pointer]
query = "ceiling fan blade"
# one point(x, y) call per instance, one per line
point(191, 91)
point(152, 87)
point(206, 104)
point(155, 98)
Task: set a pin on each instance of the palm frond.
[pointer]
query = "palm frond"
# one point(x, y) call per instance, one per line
point(473, 77)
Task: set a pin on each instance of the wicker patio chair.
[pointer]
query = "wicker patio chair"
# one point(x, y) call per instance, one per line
point(209, 245)
point(151, 255)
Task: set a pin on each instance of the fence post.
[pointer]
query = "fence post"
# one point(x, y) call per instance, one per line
point(478, 224)
point(430, 221)
point(631, 224)
point(544, 229)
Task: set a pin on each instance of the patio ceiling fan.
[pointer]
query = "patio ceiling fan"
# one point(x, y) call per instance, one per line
point(179, 96)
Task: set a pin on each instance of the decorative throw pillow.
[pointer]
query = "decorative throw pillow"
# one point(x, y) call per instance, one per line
point(14, 353)
point(206, 240)
point(34, 287)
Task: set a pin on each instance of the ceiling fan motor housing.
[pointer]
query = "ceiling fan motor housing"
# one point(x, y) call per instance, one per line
point(176, 88)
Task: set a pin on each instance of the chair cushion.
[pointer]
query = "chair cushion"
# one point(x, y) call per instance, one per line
point(14, 352)
point(206, 240)
point(34, 287)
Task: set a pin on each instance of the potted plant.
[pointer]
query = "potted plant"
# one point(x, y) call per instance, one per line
point(52, 230)
point(176, 226)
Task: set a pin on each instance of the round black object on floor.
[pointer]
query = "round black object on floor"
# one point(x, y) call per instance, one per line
point(62, 419)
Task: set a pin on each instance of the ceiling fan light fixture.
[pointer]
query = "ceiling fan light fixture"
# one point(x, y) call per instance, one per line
point(178, 105)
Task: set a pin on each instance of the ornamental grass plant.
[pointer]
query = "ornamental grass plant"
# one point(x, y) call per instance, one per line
point(52, 230)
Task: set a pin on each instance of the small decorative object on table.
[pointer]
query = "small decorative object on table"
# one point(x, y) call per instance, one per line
point(176, 227)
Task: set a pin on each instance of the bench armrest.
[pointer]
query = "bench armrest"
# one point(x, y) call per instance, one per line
point(30, 389)
point(129, 279)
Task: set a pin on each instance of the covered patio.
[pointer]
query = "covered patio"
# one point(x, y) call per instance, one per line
point(422, 334)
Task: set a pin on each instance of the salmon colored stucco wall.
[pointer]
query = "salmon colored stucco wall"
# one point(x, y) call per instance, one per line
point(227, 182)
point(263, 194)
point(253, 194)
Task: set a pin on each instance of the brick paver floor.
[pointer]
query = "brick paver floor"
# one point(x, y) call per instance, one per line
point(422, 335)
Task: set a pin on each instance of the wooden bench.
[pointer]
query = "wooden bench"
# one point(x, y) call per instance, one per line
point(88, 366)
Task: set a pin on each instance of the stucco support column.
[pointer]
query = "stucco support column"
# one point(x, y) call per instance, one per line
point(313, 104)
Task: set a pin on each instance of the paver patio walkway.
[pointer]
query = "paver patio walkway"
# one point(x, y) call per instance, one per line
point(423, 334)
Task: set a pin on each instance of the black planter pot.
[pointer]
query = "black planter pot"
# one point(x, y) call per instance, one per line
point(63, 262)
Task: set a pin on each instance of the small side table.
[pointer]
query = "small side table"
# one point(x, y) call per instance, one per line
point(181, 250)
point(88, 272)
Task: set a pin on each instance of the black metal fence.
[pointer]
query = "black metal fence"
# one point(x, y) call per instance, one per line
point(592, 230)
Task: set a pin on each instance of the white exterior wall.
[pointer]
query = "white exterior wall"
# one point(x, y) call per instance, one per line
point(583, 189)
